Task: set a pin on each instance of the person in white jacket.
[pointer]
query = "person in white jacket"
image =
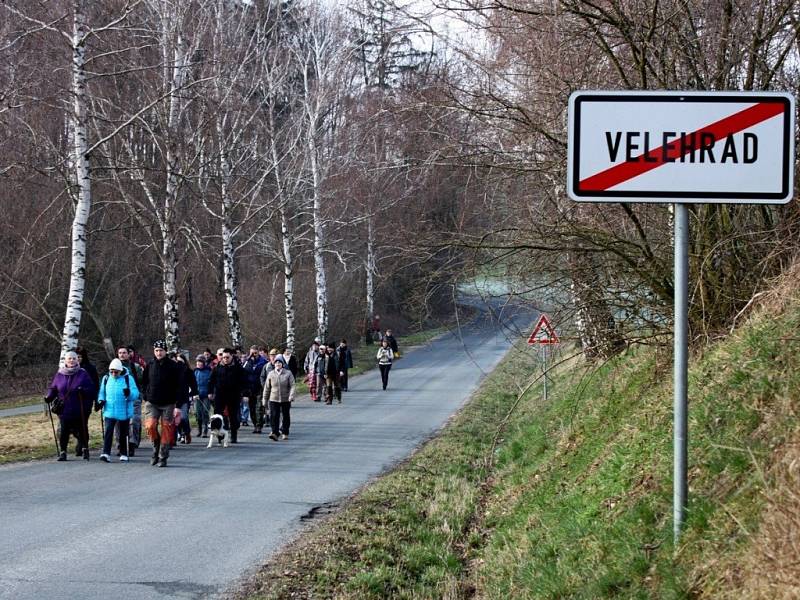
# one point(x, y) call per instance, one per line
point(279, 393)
point(385, 357)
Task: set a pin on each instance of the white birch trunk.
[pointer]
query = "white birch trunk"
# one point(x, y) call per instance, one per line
point(168, 228)
point(370, 268)
point(83, 204)
point(319, 244)
point(228, 251)
point(288, 279)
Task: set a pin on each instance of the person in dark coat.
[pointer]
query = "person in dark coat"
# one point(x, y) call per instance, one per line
point(86, 365)
point(332, 388)
point(228, 382)
point(160, 382)
point(391, 341)
point(345, 363)
point(75, 388)
point(187, 389)
point(252, 367)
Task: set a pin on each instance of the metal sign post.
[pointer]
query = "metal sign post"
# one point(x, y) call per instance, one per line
point(544, 373)
point(543, 334)
point(680, 369)
point(681, 147)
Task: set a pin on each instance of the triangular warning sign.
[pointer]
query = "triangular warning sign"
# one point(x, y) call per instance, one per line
point(543, 333)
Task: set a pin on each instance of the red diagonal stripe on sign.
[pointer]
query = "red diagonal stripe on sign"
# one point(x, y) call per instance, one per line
point(721, 129)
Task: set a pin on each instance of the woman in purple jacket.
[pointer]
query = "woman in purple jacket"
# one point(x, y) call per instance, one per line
point(76, 389)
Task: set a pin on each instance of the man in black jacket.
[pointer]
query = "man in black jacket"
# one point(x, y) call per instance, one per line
point(228, 381)
point(160, 383)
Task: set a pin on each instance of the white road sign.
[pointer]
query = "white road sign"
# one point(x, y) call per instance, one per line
point(700, 147)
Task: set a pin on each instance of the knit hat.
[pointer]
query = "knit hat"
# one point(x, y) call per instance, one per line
point(116, 365)
point(160, 344)
point(201, 358)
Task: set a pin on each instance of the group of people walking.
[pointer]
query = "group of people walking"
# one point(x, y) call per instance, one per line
point(258, 388)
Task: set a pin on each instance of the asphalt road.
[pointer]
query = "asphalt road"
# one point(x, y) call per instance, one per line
point(91, 530)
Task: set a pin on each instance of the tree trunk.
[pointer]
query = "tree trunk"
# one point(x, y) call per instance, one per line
point(319, 245)
point(288, 282)
point(83, 200)
point(169, 283)
point(595, 322)
point(168, 228)
point(228, 252)
point(370, 269)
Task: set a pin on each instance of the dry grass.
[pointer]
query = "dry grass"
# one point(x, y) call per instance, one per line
point(29, 437)
point(770, 567)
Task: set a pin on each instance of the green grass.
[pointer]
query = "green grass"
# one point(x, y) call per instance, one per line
point(575, 501)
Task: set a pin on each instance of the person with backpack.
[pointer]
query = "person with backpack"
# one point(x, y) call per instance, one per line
point(118, 392)
point(70, 397)
point(385, 357)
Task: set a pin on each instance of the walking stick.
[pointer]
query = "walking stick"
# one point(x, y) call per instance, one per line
point(53, 425)
point(84, 425)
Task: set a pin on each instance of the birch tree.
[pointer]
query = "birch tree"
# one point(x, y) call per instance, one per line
point(322, 56)
point(78, 159)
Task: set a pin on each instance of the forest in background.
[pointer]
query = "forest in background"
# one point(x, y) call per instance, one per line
point(264, 172)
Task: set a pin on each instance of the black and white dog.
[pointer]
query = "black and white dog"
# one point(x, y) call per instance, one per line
point(218, 431)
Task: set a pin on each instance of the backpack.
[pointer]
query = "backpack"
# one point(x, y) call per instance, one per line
point(127, 384)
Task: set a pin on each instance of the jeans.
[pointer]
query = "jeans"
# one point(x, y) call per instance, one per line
point(279, 417)
point(201, 408)
point(385, 374)
point(108, 436)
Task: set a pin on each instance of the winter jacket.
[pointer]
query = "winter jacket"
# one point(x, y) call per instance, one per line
point(253, 366)
point(227, 382)
point(112, 393)
point(187, 386)
point(93, 374)
point(332, 366)
point(319, 364)
point(279, 387)
point(160, 381)
point(202, 377)
point(392, 342)
point(385, 356)
point(291, 364)
point(345, 358)
point(311, 359)
point(73, 389)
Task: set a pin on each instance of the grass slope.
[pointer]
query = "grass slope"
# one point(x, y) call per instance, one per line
point(573, 498)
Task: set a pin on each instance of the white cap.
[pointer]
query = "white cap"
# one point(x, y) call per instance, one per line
point(116, 365)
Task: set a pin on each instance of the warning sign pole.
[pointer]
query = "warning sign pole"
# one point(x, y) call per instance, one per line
point(680, 367)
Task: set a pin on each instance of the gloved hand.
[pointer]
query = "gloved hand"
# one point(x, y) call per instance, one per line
point(99, 405)
point(126, 392)
point(47, 399)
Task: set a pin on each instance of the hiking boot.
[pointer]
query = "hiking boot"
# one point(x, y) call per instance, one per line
point(85, 454)
point(188, 438)
point(162, 462)
point(256, 430)
point(284, 436)
point(132, 450)
point(154, 461)
point(78, 451)
point(105, 458)
point(273, 437)
point(235, 436)
point(62, 457)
